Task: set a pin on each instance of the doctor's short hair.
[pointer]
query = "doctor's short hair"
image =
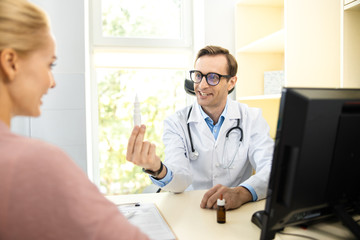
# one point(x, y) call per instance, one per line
point(22, 26)
point(216, 50)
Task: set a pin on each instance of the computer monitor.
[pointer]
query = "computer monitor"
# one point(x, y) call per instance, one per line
point(316, 165)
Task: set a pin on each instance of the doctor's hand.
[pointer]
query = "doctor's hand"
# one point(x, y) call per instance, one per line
point(234, 197)
point(143, 153)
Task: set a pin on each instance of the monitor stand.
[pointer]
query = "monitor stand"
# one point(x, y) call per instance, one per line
point(347, 220)
point(257, 218)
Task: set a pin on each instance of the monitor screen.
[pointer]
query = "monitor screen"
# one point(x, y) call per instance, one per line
point(316, 159)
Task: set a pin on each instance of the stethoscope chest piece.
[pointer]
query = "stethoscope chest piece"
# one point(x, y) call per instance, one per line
point(194, 155)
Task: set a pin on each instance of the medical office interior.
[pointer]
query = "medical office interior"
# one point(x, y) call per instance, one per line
point(292, 43)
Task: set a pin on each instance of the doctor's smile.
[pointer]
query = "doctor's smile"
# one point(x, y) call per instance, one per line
point(204, 94)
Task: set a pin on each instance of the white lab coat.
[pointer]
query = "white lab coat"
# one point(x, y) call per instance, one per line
point(255, 151)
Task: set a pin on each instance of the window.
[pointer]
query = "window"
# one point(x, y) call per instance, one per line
point(135, 51)
point(142, 23)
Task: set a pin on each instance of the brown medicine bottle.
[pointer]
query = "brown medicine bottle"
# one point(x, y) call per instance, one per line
point(221, 213)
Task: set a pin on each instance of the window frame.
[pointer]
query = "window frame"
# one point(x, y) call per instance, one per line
point(184, 41)
point(98, 43)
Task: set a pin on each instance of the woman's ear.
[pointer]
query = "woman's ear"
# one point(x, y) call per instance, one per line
point(8, 63)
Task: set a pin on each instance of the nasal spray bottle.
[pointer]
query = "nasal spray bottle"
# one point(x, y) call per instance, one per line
point(137, 114)
point(221, 213)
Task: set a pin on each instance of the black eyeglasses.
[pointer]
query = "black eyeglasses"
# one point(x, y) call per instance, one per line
point(212, 79)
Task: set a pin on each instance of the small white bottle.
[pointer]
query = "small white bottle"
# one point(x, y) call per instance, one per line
point(137, 114)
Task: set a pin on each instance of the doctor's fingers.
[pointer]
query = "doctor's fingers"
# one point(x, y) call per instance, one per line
point(144, 154)
point(148, 158)
point(131, 143)
point(210, 197)
point(141, 158)
point(135, 142)
point(152, 154)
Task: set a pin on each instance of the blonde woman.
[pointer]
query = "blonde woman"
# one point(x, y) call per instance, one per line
point(43, 194)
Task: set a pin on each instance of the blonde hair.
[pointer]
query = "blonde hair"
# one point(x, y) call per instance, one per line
point(21, 26)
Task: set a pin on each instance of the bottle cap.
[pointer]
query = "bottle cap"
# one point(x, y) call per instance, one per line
point(221, 201)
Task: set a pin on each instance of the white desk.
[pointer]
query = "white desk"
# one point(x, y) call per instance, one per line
point(188, 221)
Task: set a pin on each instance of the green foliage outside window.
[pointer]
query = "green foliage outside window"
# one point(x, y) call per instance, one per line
point(142, 18)
point(160, 93)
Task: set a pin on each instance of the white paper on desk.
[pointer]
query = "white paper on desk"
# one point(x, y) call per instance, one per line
point(148, 218)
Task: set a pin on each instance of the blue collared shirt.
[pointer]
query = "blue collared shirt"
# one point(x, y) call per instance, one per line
point(215, 129)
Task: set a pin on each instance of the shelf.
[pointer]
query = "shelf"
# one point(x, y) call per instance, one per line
point(261, 97)
point(262, 2)
point(260, 44)
point(351, 49)
point(352, 5)
point(271, 43)
point(269, 104)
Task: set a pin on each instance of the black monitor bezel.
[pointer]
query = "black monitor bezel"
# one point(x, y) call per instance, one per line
point(306, 105)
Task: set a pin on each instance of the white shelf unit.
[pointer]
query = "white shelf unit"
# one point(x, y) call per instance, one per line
point(263, 2)
point(316, 43)
point(351, 45)
point(271, 43)
point(315, 48)
point(351, 4)
point(261, 97)
point(259, 43)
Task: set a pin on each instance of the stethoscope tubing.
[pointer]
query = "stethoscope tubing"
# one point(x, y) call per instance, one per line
point(236, 127)
point(194, 154)
point(188, 128)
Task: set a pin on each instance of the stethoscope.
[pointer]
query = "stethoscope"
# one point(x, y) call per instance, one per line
point(194, 155)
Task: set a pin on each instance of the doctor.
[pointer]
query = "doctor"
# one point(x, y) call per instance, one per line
point(214, 144)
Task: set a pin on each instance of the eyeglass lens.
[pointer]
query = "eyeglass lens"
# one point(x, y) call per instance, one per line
point(211, 78)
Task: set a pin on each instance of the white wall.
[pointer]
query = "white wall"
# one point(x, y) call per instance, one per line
point(62, 121)
point(214, 24)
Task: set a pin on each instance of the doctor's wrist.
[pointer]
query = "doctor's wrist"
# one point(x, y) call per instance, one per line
point(162, 174)
point(157, 174)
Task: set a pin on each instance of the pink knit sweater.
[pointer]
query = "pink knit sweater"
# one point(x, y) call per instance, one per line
point(44, 195)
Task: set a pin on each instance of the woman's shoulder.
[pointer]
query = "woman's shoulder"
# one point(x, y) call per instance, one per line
point(40, 160)
point(20, 147)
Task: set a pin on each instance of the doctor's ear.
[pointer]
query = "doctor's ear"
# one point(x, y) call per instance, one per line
point(8, 63)
point(232, 82)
